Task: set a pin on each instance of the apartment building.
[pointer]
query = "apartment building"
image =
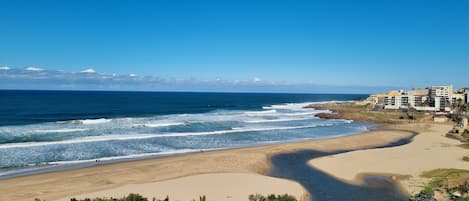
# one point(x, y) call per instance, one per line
point(441, 91)
point(435, 98)
point(441, 97)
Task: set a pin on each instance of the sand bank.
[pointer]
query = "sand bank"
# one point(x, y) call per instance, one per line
point(429, 150)
point(59, 185)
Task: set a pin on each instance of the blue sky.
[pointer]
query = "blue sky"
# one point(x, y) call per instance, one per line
point(298, 46)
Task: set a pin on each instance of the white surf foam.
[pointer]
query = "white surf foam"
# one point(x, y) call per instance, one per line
point(95, 121)
point(86, 121)
point(260, 113)
point(157, 125)
point(64, 130)
point(300, 113)
point(148, 136)
point(273, 120)
point(299, 106)
point(287, 106)
point(76, 140)
point(346, 121)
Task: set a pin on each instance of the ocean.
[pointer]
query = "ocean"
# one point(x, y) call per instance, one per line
point(44, 129)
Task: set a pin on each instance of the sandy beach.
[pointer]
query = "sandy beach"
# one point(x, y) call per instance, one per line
point(429, 150)
point(125, 175)
point(161, 100)
point(218, 186)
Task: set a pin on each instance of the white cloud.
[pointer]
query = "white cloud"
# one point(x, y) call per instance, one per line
point(90, 80)
point(5, 68)
point(256, 79)
point(31, 68)
point(89, 70)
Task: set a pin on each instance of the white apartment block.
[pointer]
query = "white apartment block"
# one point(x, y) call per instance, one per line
point(441, 91)
point(409, 101)
point(441, 97)
point(435, 98)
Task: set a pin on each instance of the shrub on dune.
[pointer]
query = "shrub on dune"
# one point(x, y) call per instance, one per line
point(137, 197)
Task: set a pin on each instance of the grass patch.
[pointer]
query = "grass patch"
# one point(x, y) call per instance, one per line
point(439, 176)
point(465, 158)
point(465, 133)
point(427, 191)
point(385, 116)
point(464, 146)
point(452, 173)
point(360, 112)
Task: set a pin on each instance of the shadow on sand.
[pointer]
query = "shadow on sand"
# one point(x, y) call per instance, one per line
point(322, 187)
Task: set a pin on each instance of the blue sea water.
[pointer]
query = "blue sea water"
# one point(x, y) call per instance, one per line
point(52, 128)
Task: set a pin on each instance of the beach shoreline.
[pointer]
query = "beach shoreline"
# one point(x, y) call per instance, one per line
point(241, 160)
point(91, 163)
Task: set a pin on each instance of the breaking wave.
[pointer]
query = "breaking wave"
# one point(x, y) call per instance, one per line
point(87, 140)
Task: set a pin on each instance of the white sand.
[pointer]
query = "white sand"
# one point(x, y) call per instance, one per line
point(220, 187)
point(429, 150)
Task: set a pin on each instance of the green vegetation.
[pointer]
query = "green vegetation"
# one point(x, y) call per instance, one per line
point(137, 197)
point(439, 177)
point(445, 173)
point(456, 117)
point(465, 133)
point(451, 181)
point(465, 158)
point(390, 116)
point(130, 197)
point(272, 197)
point(459, 108)
point(364, 113)
point(463, 189)
point(425, 194)
point(427, 191)
point(464, 146)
